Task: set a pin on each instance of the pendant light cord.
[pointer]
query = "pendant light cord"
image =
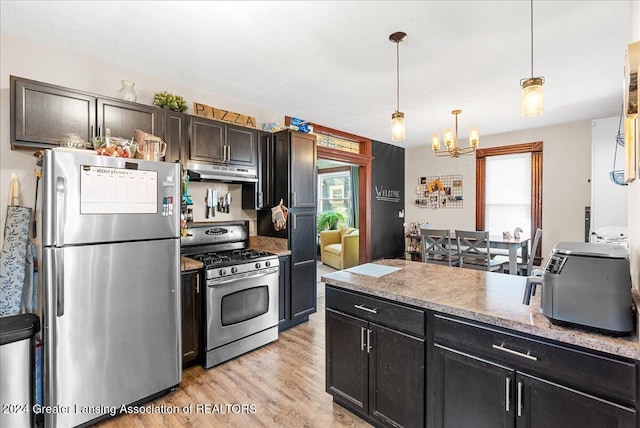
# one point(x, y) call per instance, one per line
point(531, 38)
point(397, 76)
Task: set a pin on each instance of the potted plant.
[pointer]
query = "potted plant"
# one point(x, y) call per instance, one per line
point(330, 220)
point(168, 100)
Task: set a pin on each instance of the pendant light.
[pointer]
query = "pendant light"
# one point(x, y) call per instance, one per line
point(397, 117)
point(531, 96)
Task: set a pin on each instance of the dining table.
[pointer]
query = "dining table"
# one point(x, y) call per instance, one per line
point(512, 245)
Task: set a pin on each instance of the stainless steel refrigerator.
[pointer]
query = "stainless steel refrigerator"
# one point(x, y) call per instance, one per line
point(111, 263)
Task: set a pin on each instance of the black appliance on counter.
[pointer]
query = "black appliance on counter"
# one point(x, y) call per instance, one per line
point(586, 285)
point(241, 297)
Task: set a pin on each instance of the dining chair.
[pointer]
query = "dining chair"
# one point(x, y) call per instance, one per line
point(526, 269)
point(437, 248)
point(473, 251)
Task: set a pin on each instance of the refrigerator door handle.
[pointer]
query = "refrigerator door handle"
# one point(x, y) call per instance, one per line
point(59, 226)
point(58, 262)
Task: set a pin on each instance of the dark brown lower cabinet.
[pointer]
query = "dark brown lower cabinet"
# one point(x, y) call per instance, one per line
point(471, 392)
point(191, 317)
point(486, 378)
point(548, 404)
point(375, 371)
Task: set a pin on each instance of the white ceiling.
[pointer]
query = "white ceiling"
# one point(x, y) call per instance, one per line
point(330, 62)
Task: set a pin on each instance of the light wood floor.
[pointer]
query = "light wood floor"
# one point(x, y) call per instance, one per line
point(285, 381)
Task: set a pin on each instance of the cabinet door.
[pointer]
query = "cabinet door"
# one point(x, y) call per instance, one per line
point(396, 377)
point(303, 288)
point(346, 363)
point(265, 171)
point(123, 118)
point(42, 114)
point(256, 196)
point(176, 131)
point(471, 392)
point(547, 404)
point(302, 236)
point(303, 171)
point(242, 148)
point(207, 140)
point(284, 289)
point(191, 307)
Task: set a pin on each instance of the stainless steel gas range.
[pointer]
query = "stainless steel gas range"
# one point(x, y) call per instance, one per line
point(241, 298)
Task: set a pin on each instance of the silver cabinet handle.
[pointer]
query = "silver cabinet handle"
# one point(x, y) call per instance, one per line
point(519, 398)
point(293, 199)
point(512, 352)
point(364, 308)
point(362, 338)
point(197, 283)
point(229, 153)
point(507, 393)
point(224, 152)
point(368, 341)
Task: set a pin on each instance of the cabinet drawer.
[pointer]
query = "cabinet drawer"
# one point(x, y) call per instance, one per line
point(579, 368)
point(393, 315)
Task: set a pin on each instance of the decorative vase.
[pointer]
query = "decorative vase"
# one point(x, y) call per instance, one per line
point(126, 92)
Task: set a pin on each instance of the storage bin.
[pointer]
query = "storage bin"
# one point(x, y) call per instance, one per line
point(17, 366)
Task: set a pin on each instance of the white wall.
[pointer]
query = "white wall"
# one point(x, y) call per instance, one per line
point(608, 200)
point(51, 65)
point(566, 169)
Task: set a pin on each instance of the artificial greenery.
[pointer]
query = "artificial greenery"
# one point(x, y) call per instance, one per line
point(330, 220)
point(170, 101)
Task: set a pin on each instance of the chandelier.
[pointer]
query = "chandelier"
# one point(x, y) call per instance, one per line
point(531, 96)
point(451, 141)
point(397, 117)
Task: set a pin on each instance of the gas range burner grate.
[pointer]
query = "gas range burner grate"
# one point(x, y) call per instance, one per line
point(229, 257)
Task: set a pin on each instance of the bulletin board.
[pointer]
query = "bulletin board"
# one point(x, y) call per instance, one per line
point(439, 191)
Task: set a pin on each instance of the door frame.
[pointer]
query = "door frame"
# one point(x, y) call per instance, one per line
point(363, 161)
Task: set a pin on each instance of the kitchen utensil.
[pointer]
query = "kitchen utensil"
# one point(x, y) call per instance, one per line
point(152, 149)
point(209, 202)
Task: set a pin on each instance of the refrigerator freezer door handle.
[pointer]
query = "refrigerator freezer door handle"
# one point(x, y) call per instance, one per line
point(59, 276)
point(60, 211)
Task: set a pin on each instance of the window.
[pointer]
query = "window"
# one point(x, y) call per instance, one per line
point(334, 192)
point(507, 202)
point(501, 189)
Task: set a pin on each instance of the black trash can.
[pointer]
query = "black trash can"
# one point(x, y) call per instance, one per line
point(17, 367)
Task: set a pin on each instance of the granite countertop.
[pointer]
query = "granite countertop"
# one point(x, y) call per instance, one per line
point(492, 298)
point(189, 264)
point(278, 246)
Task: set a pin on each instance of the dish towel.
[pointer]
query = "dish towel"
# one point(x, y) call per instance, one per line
point(13, 259)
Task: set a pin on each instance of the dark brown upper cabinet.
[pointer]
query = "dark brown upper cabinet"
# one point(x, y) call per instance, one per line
point(220, 143)
point(42, 113)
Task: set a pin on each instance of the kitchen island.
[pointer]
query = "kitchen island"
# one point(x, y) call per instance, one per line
point(461, 349)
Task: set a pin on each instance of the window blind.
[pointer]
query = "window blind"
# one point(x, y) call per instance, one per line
point(508, 193)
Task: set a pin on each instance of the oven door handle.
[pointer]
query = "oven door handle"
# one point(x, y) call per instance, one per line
point(232, 279)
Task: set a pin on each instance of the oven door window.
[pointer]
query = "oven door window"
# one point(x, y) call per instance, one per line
point(244, 305)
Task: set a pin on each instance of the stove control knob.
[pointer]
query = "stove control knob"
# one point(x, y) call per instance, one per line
point(222, 272)
point(258, 265)
point(267, 264)
point(234, 269)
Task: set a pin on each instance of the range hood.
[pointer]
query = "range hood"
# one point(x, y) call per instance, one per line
point(227, 174)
